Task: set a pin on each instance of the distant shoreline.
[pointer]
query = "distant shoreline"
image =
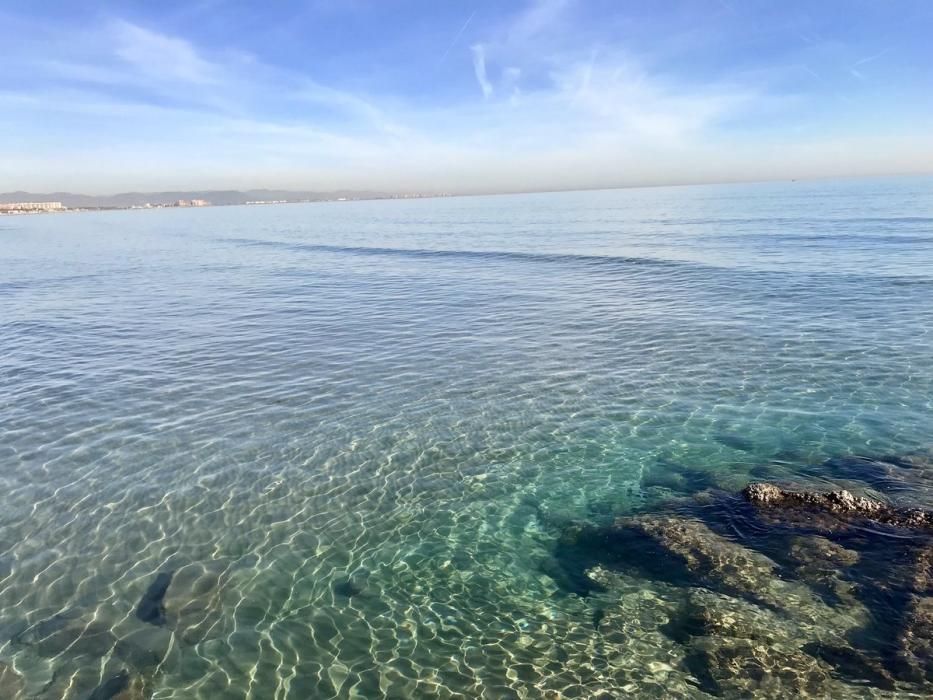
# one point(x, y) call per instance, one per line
point(356, 196)
point(207, 205)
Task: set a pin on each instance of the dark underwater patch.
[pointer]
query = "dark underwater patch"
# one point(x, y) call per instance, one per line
point(668, 474)
point(111, 687)
point(736, 442)
point(346, 588)
point(151, 607)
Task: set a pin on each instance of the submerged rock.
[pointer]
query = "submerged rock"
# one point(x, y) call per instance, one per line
point(812, 603)
point(687, 554)
point(823, 564)
point(736, 648)
point(703, 556)
point(819, 553)
point(741, 668)
point(915, 640)
point(151, 606)
point(854, 664)
point(841, 504)
point(347, 588)
point(915, 643)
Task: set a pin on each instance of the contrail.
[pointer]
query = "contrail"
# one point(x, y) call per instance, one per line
point(456, 39)
point(869, 59)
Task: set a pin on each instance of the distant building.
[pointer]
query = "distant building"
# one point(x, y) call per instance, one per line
point(31, 206)
point(200, 203)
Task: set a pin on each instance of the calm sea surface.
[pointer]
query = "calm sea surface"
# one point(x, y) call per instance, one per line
point(352, 430)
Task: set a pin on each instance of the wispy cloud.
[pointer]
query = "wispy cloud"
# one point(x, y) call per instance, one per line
point(479, 69)
point(537, 17)
point(853, 69)
point(160, 56)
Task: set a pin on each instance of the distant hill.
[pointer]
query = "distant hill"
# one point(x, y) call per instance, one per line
point(131, 199)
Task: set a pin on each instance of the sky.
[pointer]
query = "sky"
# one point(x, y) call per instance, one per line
point(459, 95)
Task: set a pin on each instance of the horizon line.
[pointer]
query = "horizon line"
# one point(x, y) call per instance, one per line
point(481, 193)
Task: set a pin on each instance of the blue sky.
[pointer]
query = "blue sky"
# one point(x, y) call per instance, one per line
point(461, 96)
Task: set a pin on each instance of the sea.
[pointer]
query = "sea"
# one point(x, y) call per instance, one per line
point(334, 450)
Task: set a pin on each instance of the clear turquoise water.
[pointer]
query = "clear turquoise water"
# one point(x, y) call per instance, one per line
point(397, 399)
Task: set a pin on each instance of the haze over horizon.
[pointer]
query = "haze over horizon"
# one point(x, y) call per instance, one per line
point(460, 97)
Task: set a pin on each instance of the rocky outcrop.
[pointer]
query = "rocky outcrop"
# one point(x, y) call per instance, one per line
point(824, 565)
point(915, 640)
point(703, 557)
point(740, 668)
point(736, 648)
point(818, 554)
point(822, 592)
point(915, 643)
point(840, 504)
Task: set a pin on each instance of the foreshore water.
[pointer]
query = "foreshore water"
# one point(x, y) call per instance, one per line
point(467, 447)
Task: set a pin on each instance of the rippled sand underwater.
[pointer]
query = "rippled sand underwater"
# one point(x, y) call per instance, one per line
point(473, 447)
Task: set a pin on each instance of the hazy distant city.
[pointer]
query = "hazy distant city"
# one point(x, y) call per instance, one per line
point(30, 203)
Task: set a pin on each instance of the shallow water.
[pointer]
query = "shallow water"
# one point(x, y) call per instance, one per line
point(354, 430)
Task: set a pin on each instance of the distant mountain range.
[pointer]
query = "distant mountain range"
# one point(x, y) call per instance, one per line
point(136, 199)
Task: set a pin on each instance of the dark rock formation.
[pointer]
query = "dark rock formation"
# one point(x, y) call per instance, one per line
point(820, 554)
point(915, 640)
point(915, 643)
point(735, 648)
point(703, 557)
point(741, 668)
point(852, 663)
point(151, 607)
point(841, 504)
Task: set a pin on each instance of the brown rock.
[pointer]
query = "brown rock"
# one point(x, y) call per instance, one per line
point(819, 552)
point(915, 641)
point(842, 504)
point(743, 668)
point(822, 563)
point(710, 558)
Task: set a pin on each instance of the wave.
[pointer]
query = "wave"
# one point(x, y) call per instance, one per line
point(833, 238)
point(589, 261)
point(469, 254)
point(795, 220)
